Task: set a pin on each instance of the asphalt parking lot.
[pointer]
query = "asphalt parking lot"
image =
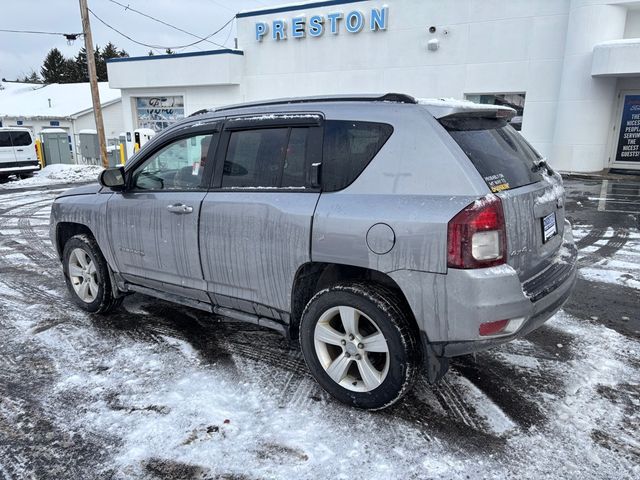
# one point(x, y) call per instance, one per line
point(163, 391)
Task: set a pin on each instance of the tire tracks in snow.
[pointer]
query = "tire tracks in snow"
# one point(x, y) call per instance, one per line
point(615, 243)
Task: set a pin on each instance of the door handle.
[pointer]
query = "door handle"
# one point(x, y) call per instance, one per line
point(19, 149)
point(179, 208)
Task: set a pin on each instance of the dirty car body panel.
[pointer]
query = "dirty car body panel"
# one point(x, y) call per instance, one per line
point(239, 249)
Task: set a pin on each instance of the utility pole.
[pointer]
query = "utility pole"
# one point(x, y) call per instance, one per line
point(93, 81)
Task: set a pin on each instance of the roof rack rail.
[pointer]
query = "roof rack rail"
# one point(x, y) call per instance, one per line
point(387, 97)
point(200, 112)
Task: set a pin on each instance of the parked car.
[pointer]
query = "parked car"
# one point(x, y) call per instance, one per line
point(385, 234)
point(18, 155)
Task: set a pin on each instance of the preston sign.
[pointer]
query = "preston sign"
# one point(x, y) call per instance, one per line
point(331, 23)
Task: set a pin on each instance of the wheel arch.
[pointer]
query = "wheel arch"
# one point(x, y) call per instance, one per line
point(312, 277)
point(67, 230)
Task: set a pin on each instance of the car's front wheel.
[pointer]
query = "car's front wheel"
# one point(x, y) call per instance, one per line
point(360, 344)
point(87, 275)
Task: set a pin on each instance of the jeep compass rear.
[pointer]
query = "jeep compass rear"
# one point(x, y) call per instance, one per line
point(384, 234)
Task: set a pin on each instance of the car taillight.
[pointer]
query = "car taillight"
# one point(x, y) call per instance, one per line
point(476, 236)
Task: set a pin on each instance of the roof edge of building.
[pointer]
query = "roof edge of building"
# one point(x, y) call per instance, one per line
point(294, 7)
point(221, 51)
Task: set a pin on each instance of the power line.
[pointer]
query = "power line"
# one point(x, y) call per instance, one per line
point(159, 46)
point(127, 7)
point(42, 33)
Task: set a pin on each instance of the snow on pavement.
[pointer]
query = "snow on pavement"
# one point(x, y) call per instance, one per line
point(56, 174)
point(163, 391)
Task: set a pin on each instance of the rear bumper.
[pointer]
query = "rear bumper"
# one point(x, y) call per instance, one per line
point(19, 167)
point(450, 308)
point(542, 311)
point(546, 293)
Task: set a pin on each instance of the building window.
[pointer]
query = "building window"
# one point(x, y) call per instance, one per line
point(513, 100)
point(159, 112)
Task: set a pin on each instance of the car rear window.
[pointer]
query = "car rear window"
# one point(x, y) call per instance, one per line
point(348, 147)
point(20, 139)
point(5, 139)
point(500, 154)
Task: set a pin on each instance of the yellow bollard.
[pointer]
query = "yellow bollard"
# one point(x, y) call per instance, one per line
point(122, 154)
point(39, 153)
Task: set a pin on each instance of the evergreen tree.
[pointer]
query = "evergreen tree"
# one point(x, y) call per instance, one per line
point(70, 71)
point(151, 54)
point(110, 51)
point(53, 68)
point(32, 77)
point(82, 70)
point(75, 70)
point(101, 65)
point(168, 51)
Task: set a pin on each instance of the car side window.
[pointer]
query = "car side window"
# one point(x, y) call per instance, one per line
point(177, 166)
point(347, 149)
point(5, 139)
point(21, 139)
point(266, 158)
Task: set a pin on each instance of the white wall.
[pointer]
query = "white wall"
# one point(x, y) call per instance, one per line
point(632, 27)
point(112, 117)
point(36, 125)
point(491, 46)
point(585, 103)
point(214, 69)
point(541, 47)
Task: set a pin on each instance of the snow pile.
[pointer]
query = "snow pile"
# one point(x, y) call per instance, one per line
point(58, 174)
point(457, 103)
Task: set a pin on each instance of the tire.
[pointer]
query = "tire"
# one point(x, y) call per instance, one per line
point(356, 370)
point(25, 175)
point(83, 249)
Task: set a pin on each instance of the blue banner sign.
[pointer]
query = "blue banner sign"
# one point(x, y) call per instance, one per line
point(317, 25)
point(629, 138)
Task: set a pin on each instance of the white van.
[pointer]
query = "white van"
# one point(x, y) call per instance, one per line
point(18, 154)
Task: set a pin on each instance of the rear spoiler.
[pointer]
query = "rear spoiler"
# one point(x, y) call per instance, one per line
point(444, 108)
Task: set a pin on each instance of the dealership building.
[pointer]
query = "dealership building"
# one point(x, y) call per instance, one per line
point(570, 68)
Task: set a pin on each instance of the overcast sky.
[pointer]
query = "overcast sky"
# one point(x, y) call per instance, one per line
point(20, 53)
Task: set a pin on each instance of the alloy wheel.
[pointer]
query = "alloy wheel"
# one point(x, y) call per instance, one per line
point(351, 348)
point(83, 275)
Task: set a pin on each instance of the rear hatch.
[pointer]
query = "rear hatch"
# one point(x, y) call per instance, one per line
point(532, 194)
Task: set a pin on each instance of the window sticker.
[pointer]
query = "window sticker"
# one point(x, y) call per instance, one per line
point(196, 168)
point(497, 182)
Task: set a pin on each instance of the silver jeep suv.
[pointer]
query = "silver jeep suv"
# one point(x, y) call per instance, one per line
point(384, 233)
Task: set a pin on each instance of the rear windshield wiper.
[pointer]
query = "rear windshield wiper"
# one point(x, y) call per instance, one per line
point(540, 165)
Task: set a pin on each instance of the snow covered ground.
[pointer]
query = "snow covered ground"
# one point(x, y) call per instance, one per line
point(163, 391)
point(54, 175)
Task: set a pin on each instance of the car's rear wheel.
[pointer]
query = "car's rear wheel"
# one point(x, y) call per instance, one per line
point(87, 275)
point(360, 344)
point(25, 175)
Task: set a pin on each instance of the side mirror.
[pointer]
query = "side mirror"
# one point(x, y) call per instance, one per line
point(112, 178)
